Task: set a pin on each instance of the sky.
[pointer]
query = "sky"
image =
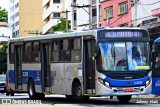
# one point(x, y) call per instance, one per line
point(4, 4)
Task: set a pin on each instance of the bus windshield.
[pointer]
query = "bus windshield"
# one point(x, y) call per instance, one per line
point(123, 56)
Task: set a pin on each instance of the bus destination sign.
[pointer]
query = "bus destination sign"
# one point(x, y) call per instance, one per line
point(121, 34)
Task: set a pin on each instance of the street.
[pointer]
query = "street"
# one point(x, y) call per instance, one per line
point(61, 101)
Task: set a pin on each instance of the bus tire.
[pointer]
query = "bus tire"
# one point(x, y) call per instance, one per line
point(77, 92)
point(124, 99)
point(31, 89)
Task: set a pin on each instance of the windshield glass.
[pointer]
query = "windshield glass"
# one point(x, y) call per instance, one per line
point(123, 56)
point(2, 77)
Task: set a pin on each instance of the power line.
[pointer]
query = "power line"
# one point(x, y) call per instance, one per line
point(150, 3)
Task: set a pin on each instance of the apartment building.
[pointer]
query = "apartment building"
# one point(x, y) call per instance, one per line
point(25, 17)
point(122, 13)
point(84, 14)
point(53, 10)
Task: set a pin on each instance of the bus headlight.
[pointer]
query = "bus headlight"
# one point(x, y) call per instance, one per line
point(103, 82)
point(148, 82)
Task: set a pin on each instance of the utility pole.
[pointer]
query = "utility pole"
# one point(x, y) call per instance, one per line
point(98, 13)
point(66, 12)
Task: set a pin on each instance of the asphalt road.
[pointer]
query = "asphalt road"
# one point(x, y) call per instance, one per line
point(61, 101)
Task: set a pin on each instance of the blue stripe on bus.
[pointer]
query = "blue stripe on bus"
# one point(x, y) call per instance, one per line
point(127, 83)
point(157, 40)
point(35, 74)
point(156, 86)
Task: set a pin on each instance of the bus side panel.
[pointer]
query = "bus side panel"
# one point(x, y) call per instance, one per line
point(11, 80)
point(32, 71)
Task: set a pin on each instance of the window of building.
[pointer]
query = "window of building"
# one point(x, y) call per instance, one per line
point(75, 16)
point(74, 0)
point(36, 52)
point(94, 12)
point(122, 8)
point(27, 52)
point(56, 15)
point(108, 13)
point(55, 51)
point(56, 1)
point(75, 50)
point(11, 54)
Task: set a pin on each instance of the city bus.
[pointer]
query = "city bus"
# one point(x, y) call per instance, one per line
point(156, 67)
point(102, 62)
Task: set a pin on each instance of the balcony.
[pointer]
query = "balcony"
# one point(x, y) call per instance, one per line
point(47, 12)
point(45, 2)
point(48, 25)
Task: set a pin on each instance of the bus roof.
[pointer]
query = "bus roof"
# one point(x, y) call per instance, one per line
point(65, 35)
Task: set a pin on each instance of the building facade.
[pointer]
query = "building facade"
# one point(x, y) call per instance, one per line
point(53, 10)
point(119, 13)
point(116, 13)
point(25, 17)
point(84, 14)
point(5, 32)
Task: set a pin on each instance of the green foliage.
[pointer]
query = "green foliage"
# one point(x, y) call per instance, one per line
point(62, 25)
point(3, 15)
point(3, 59)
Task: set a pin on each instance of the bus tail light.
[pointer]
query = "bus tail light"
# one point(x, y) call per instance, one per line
point(103, 82)
point(148, 82)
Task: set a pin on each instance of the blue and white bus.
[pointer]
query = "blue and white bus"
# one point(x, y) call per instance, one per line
point(156, 67)
point(103, 62)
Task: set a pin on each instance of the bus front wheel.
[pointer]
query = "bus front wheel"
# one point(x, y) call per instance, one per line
point(124, 99)
point(31, 89)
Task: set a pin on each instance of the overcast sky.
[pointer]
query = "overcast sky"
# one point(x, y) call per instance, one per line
point(4, 3)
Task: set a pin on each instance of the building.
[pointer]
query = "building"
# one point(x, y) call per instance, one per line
point(84, 14)
point(25, 17)
point(153, 25)
point(53, 10)
point(5, 32)
point(116, 13)
point(119, 13)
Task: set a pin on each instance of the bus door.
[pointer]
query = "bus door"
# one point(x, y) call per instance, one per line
point(89, 67)
point(156, 74)
point(18, 67)
point(45, 67)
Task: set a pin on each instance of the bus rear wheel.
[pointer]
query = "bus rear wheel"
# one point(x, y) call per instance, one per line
point(124, 99)
point(31, 89)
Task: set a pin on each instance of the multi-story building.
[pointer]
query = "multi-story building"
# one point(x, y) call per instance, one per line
point(117, 13)
point(84, 14)
point(53, 10)
point(5, 32)
point(25, 17)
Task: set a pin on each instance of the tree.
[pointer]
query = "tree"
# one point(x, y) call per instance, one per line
point(3, 15)
point(61, 26)
point(3, 59)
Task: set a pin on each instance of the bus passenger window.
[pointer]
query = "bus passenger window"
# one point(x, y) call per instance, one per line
point(27, 52)
point(64, 52)
point(55, 51)
point(76, 50)
point(36, 52)
point(11, 53)
point(157, 63)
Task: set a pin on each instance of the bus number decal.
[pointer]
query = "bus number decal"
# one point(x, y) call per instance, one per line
point(137, 82)
point(25, 74)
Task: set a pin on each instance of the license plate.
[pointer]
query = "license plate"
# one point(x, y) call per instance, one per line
point(128, 89)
